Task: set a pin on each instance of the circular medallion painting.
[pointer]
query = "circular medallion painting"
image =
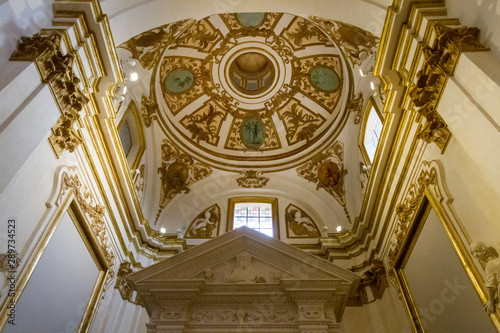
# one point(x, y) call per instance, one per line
point(252, 132)
point(251, 20)
point(329, 174)
point(179, 81)
point(324, 78)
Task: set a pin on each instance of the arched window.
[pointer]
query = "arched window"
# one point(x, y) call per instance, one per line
point(371, 128)
point(257, 213)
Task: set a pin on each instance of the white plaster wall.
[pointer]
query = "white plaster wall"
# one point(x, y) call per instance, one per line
point(124, 15)
point(59, 289)
point(117, 315)
point(20, 18)
point(384, 315)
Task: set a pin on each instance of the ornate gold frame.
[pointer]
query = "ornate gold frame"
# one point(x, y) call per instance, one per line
point(366, 113)
point(427, 203)
point(133, 117)
point(272, 201)
point(70, 206)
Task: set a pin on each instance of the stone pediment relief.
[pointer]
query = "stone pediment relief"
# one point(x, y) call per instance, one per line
point(244, 280)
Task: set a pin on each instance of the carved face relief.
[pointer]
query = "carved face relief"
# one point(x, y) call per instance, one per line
point(243, 262)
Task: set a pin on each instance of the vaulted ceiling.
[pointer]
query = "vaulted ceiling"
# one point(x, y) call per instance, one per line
point(259, 104)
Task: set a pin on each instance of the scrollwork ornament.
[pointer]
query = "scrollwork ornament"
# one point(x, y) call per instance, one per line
point(406, 210)
point(95, 212)
point(178, 171)
point(252, 179)
point(327, 171)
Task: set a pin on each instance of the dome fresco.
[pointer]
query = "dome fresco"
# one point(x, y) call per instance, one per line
point(254, 94)
point(279, 70)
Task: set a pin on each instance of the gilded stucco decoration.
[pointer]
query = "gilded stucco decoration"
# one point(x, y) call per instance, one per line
point(327, 171)
point(300, 122)
point(148, 46)
point(302, 32)
point(310, 86)
point(407, 208)
point(56, 70)
point(206, 224)
point(355, 105)
point(64, 136)
point(439, 63)
point(204, 124)
point(176, 101)
point(200, 35)
point(225, 90)
point(299, 224)
point(95, 212)
point(358, 44)
point(149, 110)
point(270, 138)
point(121, 283)
point(374, 279)
point(177, 172)
point(252, 179)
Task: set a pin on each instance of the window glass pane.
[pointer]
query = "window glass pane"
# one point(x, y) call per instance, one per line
point(125, 138)
point(257, 216)
point(372, 133)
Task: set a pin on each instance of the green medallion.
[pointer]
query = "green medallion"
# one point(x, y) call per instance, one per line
point(324, 78)
point(179, 81)
point(252, 132)
point(251, 20)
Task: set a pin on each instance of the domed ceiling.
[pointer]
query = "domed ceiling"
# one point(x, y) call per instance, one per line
point(253, 94)
point(256, 90)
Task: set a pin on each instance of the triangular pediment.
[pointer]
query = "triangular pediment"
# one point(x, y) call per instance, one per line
point(241, 277)
point(273, 259)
